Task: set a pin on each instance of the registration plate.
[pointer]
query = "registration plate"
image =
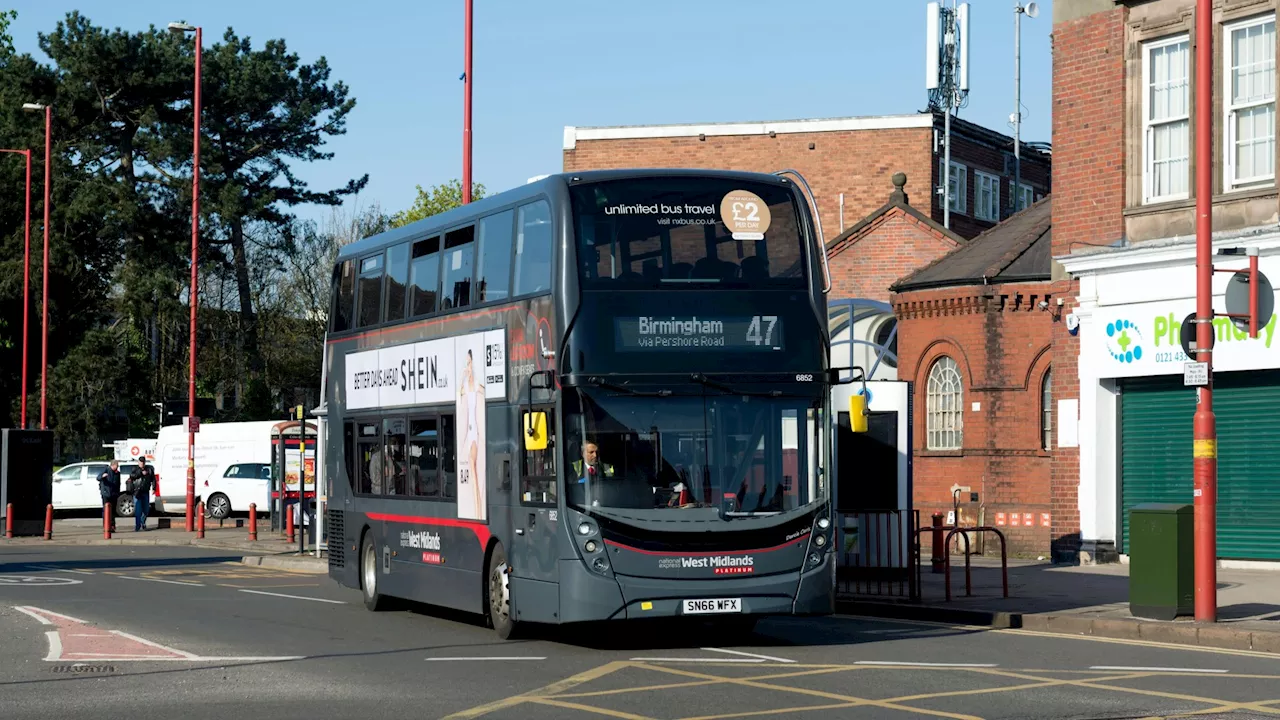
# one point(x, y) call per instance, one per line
point(705, 607)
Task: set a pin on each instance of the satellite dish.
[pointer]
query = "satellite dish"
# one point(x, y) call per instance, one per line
point(1032, 10)
point(1238, 299)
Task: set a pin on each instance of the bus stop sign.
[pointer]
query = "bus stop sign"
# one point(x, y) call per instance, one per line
point(1238, 299)
point(191, 424)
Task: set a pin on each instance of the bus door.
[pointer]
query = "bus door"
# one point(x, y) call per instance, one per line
point(535, 550)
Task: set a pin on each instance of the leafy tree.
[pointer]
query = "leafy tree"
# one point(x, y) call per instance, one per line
point(440, 198)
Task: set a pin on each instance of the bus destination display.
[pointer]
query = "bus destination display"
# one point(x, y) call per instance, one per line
point(699, 333)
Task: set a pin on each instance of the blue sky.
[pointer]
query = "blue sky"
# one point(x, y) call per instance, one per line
point(542, 64)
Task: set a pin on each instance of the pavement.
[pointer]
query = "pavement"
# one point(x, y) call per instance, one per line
point(1080, 600)
point(161, 630)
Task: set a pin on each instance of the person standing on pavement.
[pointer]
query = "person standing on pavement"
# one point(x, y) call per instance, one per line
point(141, 481)
point(109, 486)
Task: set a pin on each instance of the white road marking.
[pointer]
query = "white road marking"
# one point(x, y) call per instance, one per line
point(925, 664)
point(1157, 669)
point(698, 660)
point(295, 597)
point(39, 618)
point(168, 582)
point(155, 645)
point(55, 646)
point(747, 654)
point(455, 659)
point(66, 570)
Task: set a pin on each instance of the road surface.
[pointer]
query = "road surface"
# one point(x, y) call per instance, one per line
point(105, 632)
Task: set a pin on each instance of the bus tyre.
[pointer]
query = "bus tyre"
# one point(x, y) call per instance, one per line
point(373, 600)
point(498, 592)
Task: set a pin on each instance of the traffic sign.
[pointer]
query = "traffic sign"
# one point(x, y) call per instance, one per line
point(1195, 374)
point(1238, 299)
point(1188, 335)
point(191, 424)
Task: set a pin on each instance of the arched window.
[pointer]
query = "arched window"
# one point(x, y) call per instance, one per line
point(1046, 410)
point(944, 406)
point(882, 340)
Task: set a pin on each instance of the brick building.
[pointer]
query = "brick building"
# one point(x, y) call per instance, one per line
point(975, 332)
point(848, 162)
point(1124, 113)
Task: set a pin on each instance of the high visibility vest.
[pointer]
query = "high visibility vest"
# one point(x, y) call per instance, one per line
point(577, 468)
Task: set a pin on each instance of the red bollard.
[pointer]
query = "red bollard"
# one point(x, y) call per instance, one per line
point(8, 520)
point(48, 522)
point(106, 521)
point(200, 521)
point(253, 521)
point(938, 544)
point(288, 526)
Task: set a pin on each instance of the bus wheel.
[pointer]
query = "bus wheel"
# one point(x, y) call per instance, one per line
point(499, 594)
point(369, 577)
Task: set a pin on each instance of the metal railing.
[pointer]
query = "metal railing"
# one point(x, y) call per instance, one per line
point(877, 556)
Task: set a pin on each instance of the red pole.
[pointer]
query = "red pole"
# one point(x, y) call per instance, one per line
point(1205, 436)
point(253, 521)
point(8, 520)
point(44, 340)
point(26, 292)
point(200, 522)
point(1253, 295)
point(48, 521)
point(106, 521)
point(193, 299)
point(288, 524)
point(938, 550)
point(466, 109)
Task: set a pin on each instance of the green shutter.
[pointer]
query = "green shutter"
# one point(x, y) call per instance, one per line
point(1156, 465)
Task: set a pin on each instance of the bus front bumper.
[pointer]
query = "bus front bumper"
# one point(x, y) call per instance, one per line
point(587, 596)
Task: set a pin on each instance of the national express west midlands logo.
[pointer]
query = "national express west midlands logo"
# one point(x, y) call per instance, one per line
point(1124, 341)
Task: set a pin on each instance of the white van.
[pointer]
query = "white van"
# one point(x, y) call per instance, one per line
point(217, 445)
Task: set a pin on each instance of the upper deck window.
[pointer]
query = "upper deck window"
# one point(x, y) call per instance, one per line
point(370, 291)
point(459, 261)
point(682, 231)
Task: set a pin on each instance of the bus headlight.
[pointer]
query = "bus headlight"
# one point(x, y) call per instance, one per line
point(585, 529)
point(591, 546)
point(820, 540)
point(823, 523)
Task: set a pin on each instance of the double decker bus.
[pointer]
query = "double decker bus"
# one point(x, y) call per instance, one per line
point(599, 396)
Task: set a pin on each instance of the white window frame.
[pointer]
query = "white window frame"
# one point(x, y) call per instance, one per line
point(944, 426)
point(958, 198)
point(1026, 196)
point(1046, 410)
point(991, 211)
point(1148, 134)
point(1229, 181)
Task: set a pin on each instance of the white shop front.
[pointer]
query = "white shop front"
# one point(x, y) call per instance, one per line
point(1134, 427)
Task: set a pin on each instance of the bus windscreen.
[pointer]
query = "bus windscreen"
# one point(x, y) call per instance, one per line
point(683, 232)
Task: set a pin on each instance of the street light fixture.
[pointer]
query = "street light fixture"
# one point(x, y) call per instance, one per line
point(44, 308)
point(182, 29)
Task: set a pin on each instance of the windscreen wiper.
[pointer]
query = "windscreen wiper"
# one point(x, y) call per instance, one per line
point(602, 383)
point(729, 389)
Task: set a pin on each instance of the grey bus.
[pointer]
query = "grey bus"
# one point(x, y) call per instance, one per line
point(598, 396)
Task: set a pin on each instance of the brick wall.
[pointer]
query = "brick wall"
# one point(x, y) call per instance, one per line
point(1001, 345)
point(857, 163)
point(892, 246)
point(1089, 183)
point(979, 156)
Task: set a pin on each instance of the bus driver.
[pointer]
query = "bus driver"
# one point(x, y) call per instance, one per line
point(593, 467)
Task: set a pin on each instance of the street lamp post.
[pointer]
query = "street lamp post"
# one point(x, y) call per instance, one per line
point(26, 283)
point(466, 107)
point(182, 29)
point(44, 305)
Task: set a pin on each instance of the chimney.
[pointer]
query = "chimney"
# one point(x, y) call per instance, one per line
point(899, 195)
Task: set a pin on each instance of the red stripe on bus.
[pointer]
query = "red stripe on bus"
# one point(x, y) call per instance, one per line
point(707, 554)
point(481, 530)
point(423, 323)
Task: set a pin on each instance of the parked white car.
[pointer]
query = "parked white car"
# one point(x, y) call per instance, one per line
point(235, 487)
point(75, 487)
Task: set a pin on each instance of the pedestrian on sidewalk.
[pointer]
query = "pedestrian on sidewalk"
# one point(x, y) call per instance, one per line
point(141, 481)
point(109, 486)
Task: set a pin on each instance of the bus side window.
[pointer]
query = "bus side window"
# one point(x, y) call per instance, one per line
point(425, 277)
point(424, 458)
point(455, 276)
point(448, 467)
point(493, 265)
point(538, 473)
point(533, 249)
point(344, 292)
point(349, 451)
point(370, 291)
point(397, 279)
